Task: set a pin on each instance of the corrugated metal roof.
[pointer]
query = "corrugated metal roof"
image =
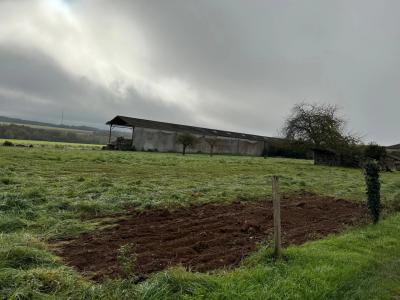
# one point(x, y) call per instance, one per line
point(135, 122)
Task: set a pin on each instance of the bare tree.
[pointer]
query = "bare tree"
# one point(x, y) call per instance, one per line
point(319, 125)
point(212, 142)
point(186, 140)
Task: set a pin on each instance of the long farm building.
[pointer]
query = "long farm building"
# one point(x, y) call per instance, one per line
point(158, 136)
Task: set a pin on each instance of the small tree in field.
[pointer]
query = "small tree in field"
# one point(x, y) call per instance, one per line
point(186, 140)
point(371, 172)
point(212, 142)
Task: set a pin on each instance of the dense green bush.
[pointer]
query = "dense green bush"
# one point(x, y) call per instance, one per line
point(289, 149)
point(350, 156)
point(374, 151)
point(371, 169)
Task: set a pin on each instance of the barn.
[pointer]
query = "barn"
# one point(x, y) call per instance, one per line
point(148, 135)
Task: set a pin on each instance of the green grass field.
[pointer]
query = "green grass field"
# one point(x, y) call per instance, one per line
point(45, 190)
point(57, 145)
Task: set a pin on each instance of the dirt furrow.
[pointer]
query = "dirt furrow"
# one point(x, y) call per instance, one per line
point(205, 237)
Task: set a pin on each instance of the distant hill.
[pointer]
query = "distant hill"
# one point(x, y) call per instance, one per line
point(4, 119)
point(13, 128)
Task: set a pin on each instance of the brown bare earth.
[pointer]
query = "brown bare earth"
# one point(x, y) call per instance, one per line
point(205, 237)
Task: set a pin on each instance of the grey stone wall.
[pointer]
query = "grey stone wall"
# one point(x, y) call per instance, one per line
point(165, 141)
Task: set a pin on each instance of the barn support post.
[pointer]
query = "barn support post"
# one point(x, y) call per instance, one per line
point(277, 217)
point(133, 132)
point(265, 150)
point(109, 136)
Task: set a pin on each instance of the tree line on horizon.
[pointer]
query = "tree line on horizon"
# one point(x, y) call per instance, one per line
point(23, 132)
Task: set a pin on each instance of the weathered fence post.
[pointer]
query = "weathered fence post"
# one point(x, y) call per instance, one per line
point(277, 216)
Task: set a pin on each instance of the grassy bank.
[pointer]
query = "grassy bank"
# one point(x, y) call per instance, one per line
point(57, 145)
point(44, 192)
point(362, 264)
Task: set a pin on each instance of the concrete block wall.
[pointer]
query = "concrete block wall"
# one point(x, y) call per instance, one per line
point(152, 139)
point(165, 141)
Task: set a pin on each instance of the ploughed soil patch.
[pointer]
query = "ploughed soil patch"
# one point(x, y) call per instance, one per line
point(205, 237)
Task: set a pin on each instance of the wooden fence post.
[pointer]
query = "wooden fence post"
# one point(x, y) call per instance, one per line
point(277, 216)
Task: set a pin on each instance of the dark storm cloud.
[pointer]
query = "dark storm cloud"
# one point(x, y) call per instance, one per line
point(236, 65)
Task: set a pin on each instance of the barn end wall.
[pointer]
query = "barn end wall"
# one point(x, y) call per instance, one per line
point(165, 141)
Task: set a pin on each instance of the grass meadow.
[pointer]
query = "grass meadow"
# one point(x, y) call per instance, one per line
point(46, 190)
point(56, 145)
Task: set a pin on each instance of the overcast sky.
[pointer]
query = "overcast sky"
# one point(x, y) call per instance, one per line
point(226, 64)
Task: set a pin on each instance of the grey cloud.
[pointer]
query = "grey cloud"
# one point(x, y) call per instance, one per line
point(34, 86)
point(248, 62)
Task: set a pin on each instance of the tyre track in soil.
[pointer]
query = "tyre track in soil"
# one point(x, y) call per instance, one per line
point(205, 237)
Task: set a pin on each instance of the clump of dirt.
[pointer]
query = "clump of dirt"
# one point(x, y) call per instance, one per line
point(205, 237)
